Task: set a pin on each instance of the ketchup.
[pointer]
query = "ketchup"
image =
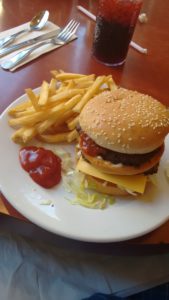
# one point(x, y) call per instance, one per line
point(43, 165)
point(89, 146)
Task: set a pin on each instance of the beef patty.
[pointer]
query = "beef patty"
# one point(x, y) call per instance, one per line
point(114, 157)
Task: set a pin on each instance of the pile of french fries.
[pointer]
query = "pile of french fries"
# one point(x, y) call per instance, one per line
point(52, 115)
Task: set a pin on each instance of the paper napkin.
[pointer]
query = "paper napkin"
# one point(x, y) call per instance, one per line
point(23, 37)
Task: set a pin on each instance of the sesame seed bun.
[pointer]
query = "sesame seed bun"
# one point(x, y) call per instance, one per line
point(125, 121)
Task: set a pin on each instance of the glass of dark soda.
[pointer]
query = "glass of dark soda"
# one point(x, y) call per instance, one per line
point(115, 24)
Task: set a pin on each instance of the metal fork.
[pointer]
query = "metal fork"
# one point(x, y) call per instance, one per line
point(62, 38)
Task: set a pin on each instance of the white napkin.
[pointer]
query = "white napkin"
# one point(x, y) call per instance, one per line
point(38, 52)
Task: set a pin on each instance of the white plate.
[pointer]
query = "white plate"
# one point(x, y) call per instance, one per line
point(124, 220)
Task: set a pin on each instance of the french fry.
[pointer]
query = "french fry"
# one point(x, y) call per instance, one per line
point(61, 71)
point(19, 108)
point(52, 87)
point(54, 138)
point(65, 76)
point(29, 120)
point(23, 135)
point(73, 135)
point(70, 85)
point(111, 84)
point(58, 129)
point(66, 94)
point(56, 110)
point(59, 137)
point(72, 102)
point(25, 112)
point(57, 102)
point(32, 119)
point(33, 98)
point(43, 126)
point(60, 88)
point(44, 92)
point(90, 93)
point(85, 84)
point(53, 114)
point(85, 78)
point(17, 136)
point(61, 108)
point(64, 118)
point(73, 123)
point(58, 119)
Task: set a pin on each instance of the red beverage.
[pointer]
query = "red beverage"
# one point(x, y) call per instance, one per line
point(114, 29)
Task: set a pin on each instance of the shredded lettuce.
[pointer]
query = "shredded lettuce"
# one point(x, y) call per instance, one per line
point(153, 179)
point(76, 183)
point(46, 202)
point(127, 190)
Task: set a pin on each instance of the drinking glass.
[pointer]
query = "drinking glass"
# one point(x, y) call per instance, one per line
point(115, 24)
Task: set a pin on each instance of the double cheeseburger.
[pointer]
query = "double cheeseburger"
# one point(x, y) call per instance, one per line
point(121, 140)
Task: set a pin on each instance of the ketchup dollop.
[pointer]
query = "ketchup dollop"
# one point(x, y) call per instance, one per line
point(43, 165)
point(89, 146)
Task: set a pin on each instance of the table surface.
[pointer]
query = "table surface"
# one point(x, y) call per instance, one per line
point(145, 73)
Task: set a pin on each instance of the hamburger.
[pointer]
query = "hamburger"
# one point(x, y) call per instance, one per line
point(121, 140)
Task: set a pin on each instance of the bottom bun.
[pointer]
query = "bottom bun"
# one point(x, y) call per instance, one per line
point(119, 169)
point(109, 189)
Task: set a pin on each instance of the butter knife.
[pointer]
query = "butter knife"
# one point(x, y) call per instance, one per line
point(46, 36)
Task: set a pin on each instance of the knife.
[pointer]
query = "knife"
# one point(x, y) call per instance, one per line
point(46, 36)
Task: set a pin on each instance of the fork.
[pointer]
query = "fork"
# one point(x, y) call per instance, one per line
point(62, 38)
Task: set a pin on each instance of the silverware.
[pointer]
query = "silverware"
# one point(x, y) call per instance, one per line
point(29, 42)
point(37, 23)
point(62, 38)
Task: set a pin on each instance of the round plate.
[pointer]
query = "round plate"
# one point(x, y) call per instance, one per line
point(127, 218)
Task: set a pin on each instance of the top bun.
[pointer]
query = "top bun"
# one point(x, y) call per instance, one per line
point(125, 121)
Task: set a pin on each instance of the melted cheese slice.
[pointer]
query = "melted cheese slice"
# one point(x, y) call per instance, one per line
point(135, 183)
